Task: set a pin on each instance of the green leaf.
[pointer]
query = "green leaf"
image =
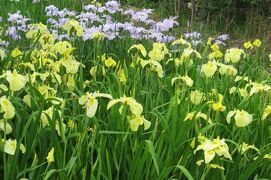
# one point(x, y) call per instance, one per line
point(29, 169)
point(185, 172)
point(153, 155)
point(71, 164)
point(50, 173)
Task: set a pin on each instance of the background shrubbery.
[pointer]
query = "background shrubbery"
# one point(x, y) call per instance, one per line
point(250, 17)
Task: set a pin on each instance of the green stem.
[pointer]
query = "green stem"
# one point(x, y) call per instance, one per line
point(4, 154)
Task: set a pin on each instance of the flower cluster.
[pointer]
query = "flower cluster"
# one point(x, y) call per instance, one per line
point(96, 18)
point(18, 24)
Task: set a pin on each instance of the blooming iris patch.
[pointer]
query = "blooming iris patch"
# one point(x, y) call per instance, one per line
point(53, 74)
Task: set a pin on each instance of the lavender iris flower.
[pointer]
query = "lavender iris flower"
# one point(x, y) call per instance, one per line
point(112, 6)
point(137, 24)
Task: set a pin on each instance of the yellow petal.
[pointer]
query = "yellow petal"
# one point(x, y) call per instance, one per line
point(174, 79)
point(188, 81)
point(135, 107)
point(267, 156)
point(10, 146)
point(257, 43)
point(16, 81)
point(209, 69)
point(208, 156)
point(102, 95)
point(112, 103)
point(196, 97)
point(143, 63)
point(134, 123)
point(216, 166)
point(83, 99)
point(242, 118)
point(22, 148)
point(91, 106)
point(139, 47)
point(8, 129)
point(147, 124)
point(50, 157)
point(229, 116)
point(189, 116)
point(7, 108)
point(218, 106)
point(110, 62)
point(27, 100)
point(199, 162)
point(266, 112)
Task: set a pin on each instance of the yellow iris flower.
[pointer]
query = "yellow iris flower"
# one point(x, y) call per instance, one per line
point(135, 107)
point(16, 81)
point(233, 55)
point(209, 69)
point(154, 65)
point(186, 79)
point(158, 52)
point(227, 70)
point(63, 48)
point(242, 118)
point(248, 45)
point(257, 42)
point(10, 146)
point(213, 147)
point(197, 115)
point(245, 147)
point(217, 106)
point(136, 121)
point(188, 52)
point(74, 25)
point(16, 53)
point(196, 97)
point(110, 62)
point(90, 102)
point(7, 108)
point(139, 47)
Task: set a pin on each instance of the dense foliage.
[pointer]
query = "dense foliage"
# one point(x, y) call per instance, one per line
point(226, 16)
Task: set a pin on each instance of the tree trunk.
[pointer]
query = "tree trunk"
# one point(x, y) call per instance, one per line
point(193, 14)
